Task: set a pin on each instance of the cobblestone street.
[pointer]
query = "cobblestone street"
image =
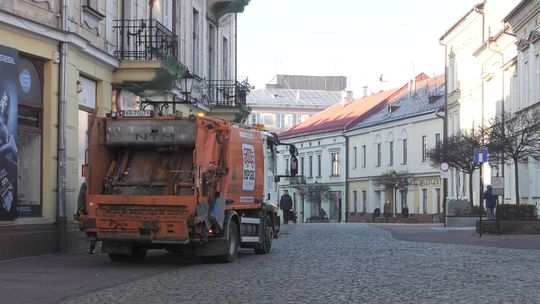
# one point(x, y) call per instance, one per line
point(345, 263)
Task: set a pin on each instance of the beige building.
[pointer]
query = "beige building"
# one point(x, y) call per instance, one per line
point(479, 68)
point(523, 91)
point(70, 60)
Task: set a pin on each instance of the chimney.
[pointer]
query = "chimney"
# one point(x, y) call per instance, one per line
point(364, 91)
point(346, 96)
point(412, 87)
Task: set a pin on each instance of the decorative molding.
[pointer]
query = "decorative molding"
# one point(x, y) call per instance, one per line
point(49, 2)
point(534, 36)
point(92, 17)
point(523, 45)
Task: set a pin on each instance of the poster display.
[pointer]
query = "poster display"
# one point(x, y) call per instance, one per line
point(8, 132)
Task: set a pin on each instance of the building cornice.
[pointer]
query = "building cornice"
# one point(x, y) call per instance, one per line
point(36, 30)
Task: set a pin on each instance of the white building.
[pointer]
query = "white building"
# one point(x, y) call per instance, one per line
point(292, 99)
point(395, 138)
point(322, 158)
point(479, 68)
point(524, 91)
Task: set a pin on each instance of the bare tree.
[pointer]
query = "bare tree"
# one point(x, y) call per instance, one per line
point(514, 138)
point(458, 152)
point(395, 180)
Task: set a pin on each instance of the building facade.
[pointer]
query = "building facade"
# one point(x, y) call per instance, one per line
point(71, 60)
point(523, 92)
point(387, 153)
point(479, 69)
point(322, 156)
point(292, 99)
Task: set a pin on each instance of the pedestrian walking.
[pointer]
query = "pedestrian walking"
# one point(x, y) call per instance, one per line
point(322, 213)
point(491, 202)
point(285, 204)
point(405, 211)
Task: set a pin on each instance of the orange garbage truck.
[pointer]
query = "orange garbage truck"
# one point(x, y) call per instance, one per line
point(180, 183)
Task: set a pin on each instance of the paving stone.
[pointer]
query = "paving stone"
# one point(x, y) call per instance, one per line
point(345, 263)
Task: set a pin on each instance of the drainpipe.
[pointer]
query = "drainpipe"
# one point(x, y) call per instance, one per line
point(346, 176)
point(61, 217)
point(445, 128)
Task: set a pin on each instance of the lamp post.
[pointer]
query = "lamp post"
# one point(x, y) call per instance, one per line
point(187, 85)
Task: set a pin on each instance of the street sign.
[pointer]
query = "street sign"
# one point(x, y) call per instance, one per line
point(480, 155)
point(497, 185)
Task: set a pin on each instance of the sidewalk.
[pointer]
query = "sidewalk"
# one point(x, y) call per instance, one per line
point(437, 233)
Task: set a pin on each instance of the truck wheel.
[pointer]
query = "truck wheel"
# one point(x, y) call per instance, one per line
point(137, 255)
point(266, 244)
point(233, 240)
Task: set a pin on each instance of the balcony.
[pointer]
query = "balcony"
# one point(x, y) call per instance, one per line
point(144, 39)
point(227, 98)
point(148, 53)
point(219, 8)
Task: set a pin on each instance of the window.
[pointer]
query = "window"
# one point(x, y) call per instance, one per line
point(28, 119)
point(302, 166)
point(452, 73)
point(391, 146)
point(363, 156)
point(303, 117)
point(403, 194)
point(287, 168)
point(311, 166)
point(335, 164)
point(319, 164)
point(269, 120)
point(211, 52)
point(354, 158)
point(404, 151)
point(195, 42)
point(92, 4)
point(378, 155)
point(288, 121)
point(424, 148)
point(437, 139)
point(424, 201)
point(364, 201)
point(355, 201)
point(537, 80)
point(225, 58)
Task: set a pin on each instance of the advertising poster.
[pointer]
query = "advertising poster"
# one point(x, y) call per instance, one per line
point(248, 158)
point(8, 133)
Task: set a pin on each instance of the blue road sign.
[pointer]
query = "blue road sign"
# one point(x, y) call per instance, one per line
point(481, 155)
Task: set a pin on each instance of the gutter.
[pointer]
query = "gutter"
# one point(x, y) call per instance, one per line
point(61, 217)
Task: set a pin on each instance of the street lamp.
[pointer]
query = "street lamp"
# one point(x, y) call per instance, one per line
point(187, 84)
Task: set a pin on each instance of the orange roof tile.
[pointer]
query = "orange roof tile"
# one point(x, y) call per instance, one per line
point(339, 116)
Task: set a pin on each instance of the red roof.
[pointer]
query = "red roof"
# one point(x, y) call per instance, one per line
point(338, 116)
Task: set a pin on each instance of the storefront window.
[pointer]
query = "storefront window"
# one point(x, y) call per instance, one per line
point(29, 137)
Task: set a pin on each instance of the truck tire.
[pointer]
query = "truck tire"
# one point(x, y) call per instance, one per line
point(137, 255)
point(268, 233)
point(233, 241)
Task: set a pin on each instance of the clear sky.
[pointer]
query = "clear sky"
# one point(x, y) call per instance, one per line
point(360, 39)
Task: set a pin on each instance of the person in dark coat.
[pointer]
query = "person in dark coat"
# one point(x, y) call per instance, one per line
point(405, 211)
point(285, 204)
point(491, 202)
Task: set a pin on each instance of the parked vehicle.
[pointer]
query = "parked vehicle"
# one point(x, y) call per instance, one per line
point(176, 182)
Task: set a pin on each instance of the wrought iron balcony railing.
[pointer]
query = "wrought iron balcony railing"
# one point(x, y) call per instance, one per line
point(144, 39)
point(227, 93)
point(297, 180)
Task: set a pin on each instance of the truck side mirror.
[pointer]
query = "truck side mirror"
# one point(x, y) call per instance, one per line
point(294, 165)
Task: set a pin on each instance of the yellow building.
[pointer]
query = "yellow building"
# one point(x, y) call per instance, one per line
point(76, 59)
